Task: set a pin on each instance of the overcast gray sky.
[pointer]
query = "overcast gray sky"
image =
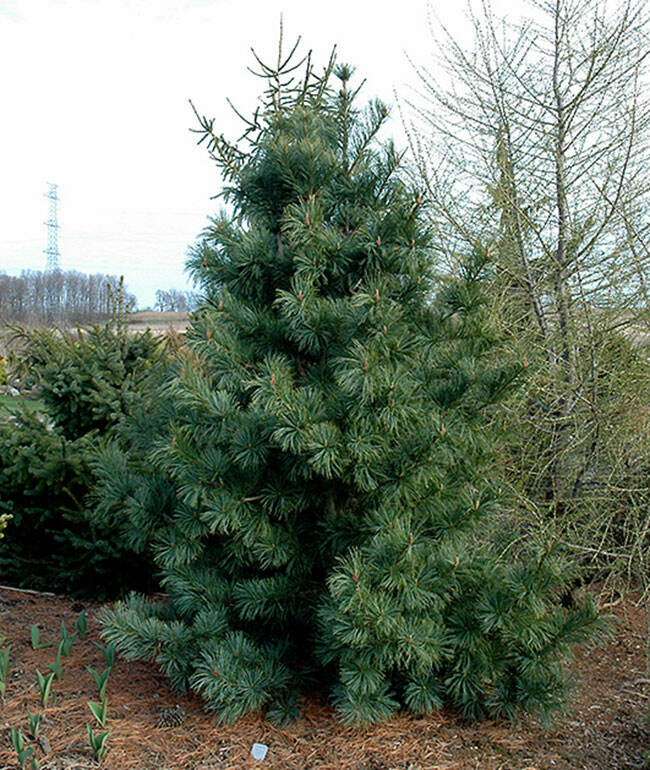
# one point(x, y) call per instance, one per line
point(94, 97)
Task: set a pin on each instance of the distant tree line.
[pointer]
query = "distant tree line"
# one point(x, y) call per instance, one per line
point(175, 301)
point(59, 296)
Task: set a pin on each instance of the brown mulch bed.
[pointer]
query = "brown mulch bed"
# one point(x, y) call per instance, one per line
point(605, 729)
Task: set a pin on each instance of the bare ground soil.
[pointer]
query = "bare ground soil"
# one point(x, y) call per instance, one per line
point(605, 729)
point(158, 322)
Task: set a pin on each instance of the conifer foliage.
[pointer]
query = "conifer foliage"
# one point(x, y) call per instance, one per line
point(86, 381)
point(329, 452)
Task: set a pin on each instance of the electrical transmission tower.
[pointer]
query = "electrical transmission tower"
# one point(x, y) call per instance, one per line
point(52, 250)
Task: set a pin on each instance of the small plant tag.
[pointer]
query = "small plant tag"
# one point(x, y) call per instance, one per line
point(259, 750)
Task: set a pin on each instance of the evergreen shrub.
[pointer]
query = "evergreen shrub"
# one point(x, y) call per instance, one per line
point(87, 380)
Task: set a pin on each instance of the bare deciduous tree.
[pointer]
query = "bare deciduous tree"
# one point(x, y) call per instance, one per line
point(533, 144)
point(62, 296)
point(175, 301)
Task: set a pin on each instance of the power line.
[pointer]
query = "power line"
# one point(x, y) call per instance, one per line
point(52, 250)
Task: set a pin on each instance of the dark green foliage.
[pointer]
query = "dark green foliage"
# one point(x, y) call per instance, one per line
point(51, 545)
point(87, 381)
point(132, 494)
point(325, 455)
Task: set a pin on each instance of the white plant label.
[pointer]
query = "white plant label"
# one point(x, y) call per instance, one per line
point(259, 750)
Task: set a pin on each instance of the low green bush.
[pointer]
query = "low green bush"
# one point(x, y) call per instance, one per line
point(87, 381)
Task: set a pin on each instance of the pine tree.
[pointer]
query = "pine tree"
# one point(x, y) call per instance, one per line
point(326, 460)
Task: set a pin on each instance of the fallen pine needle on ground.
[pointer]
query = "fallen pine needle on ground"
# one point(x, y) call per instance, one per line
point(606, 729)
